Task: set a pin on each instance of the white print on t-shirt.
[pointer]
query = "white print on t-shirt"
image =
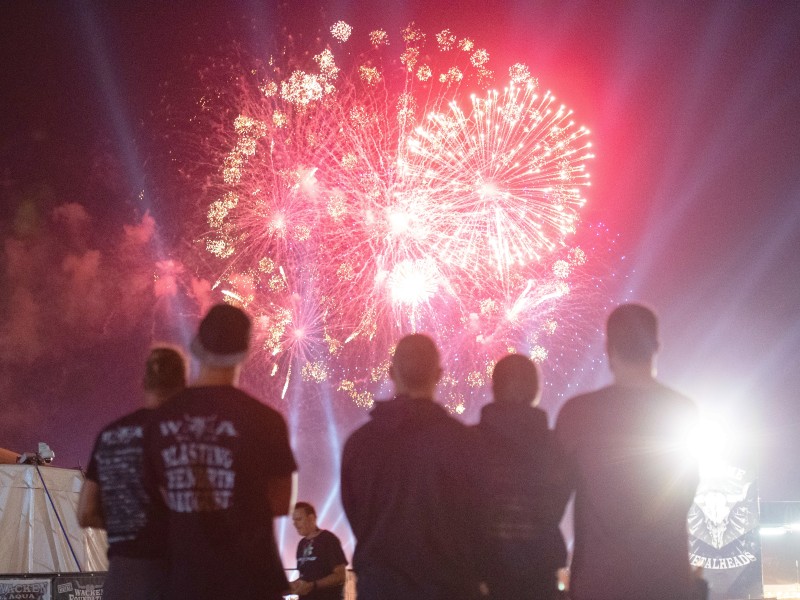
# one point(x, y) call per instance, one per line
point(121, 435)
point(209, 455)
point(199, 477)
point(198, 470)
point(205, 428)
point(308, 555)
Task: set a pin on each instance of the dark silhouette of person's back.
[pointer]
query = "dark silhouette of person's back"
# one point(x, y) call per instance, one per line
point(524, 493)
point(114, 496)
point(222, 462)
point(633, 479)
point(407, 492)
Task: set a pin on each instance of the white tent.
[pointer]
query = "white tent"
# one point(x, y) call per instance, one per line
point(38, 523)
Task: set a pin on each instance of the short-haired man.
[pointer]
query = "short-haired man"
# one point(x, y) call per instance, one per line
point(524, 491)
point(633, 480)
point(320, 558)
point(113, 495)
point(407, 489)
point(222, 462)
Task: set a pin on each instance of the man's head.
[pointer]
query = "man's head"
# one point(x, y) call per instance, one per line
point(304, 518)
point(515, 380)
point(164, 374)
point(415, 366)
point(223, 337)
point(632, 335)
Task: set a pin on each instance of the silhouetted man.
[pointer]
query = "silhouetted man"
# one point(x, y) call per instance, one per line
point(633, 480)
point(222, 462)
point(113, 496)
point(320, 558)
point(524, 491)
point(407, 491)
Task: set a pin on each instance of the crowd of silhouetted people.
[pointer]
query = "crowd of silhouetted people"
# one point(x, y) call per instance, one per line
point(188, 486)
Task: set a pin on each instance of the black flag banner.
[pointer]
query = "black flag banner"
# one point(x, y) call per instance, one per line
point(724, 531)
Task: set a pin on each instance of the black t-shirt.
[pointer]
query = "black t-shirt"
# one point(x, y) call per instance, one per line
point(134, 528)
point(211, 452)
point(316, 558)
point(634, 483)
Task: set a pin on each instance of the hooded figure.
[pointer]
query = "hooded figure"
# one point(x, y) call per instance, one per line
point(407, 490)
point(525, 495)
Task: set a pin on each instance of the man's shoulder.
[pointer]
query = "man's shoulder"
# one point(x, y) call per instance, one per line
point(389, 415)
point(586, 410)
point(390, 420)
point(671, 395)
point(333, 547)
point(223, 399)
point(133, 423)
point(661, 396)
point(361, 436)
point(197, 411)
point(657, 392)
point(376, 425)
point(140, 415)
point(329, 537)
point(202, 393)
point(586, 402)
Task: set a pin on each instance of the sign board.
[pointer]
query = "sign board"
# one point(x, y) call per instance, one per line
point(78, 587)
point(25, 589)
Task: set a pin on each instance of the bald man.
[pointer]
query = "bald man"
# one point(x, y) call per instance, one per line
point(407, 489)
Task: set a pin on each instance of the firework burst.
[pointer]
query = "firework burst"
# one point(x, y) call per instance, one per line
point(359, 201)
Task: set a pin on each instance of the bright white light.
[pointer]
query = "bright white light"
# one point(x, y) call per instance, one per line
point(412, 282)
point(487, 190)
point(715, 438)
point(709, 439)
point(399, 222)
point(772, 531)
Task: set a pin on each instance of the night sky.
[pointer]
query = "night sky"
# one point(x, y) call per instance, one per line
point(693, 108)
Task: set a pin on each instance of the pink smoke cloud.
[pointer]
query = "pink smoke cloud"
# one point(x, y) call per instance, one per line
point(62, 295)
point(22, 337)
point(67, 289)
point(72, 214)
point(141, 233)
point(83, 298)
point(201, 293)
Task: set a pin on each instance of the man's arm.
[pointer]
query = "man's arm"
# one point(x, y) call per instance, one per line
point(282, 494)
point(90, 509)
point(8, 457)
point(565, 466)
point(347, 493)
point(336, 578)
